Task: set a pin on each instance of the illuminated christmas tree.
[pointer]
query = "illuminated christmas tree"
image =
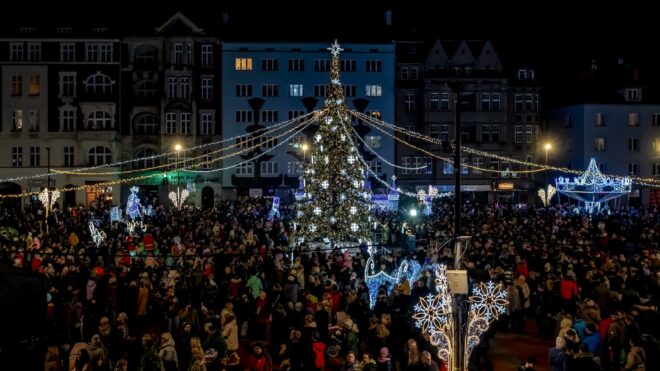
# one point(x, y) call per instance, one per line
point(335, 204)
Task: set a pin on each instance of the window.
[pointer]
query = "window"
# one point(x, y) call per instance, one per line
point(69, 156)
point(146, 124)
point(35, 84)
point(16, 52)
point(243, 90)
point(434, 101)
point(347, 65)
point(171, 87)
point(295, 90)
point(170, 123)
point(406, 163)
point(444, 101)
point(529, 102)
point(184, 83)
point(269, 168)
point(518, 134)
point(99, 155)
point(207, 159)
point(146, 55)
point(600, 119)
point(374, 141)
point(633, 144)
point(409, 102)
point(270, 90)
point(99, 85)
point(464, 162)
point(296, 141)
point(522, 75)
point(146, 89)
point(320, 90)
point(655, 119)
point(189, 55)
point(374, 65)
point(408, 73)
point(186, 122)
point(444, 132)
point(599, 144)
point(296, 65)
point(447, 168)
point(146, 156)
point(68, 119)
point(632, 168)
point(206, 123)
point(91, 52)
point(269, 64)
point(244, 116)
point(207, 55)
point(67, 52)
point(99, 52)
point(269, 116)
point(295, 113)
point(518, 102)
point(495, 99)
point(207, 88)
point(243, 64)
point(375, 166)
point(35, 156)
point(16, 85)
point(246, 169)
point(433, 131)
point(34, 121)
point(322, 65)
point(67, 84)
point(375, 114)
point(99, 120)
point(529, 133)
point(178, 54)
point(373, 91)
point(294, 167)
point(477, 162)
point(633, 95)
point(17, 156)
point(17, 120)
point(485, 101)
point(633, 119)
point(34, 52)
point(349, 90)
point(490, 133)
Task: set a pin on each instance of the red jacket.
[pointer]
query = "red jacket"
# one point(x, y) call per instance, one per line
point(568, 289)
point(319, 354)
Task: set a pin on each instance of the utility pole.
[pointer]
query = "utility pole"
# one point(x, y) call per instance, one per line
point(457, 89)
point(48, 192)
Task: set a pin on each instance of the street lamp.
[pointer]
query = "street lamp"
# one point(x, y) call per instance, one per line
point(547, 147)
point(304, 147)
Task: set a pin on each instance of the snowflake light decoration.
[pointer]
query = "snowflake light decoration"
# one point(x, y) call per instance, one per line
point(317, 211)
point(326, 160)
point(325, 184)
point(351, 160)
point(312, 228)
point(318, 137)
point(354, 227)
point(333, 220)
point(489, 300)
point(427, 313)
point(353, 210)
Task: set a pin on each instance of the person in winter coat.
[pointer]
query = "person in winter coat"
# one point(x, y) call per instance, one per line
point(198, 363)
point(384, 360)
point(351, 362)
point(318, 352)
point(230, 332)
point(260, 360)
point(167, 352)
point(557, 355)
point(636, 359)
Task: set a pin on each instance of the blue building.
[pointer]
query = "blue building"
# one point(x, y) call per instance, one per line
point(617, 122)
point(267, 83)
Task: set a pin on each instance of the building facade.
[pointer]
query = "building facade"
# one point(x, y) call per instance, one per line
point(60, 104)
point(499, 114)
point(268, 83)
point(171, 100)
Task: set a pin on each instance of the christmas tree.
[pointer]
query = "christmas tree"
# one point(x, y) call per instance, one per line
point(335, 204)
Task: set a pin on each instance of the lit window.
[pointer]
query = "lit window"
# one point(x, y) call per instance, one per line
point(373, 90)
point(295, 90)
point(243, 64)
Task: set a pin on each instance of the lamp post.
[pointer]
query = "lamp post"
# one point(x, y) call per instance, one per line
point(177, 148)
point(547, 147)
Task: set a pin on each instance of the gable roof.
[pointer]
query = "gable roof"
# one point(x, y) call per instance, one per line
point(179, 17)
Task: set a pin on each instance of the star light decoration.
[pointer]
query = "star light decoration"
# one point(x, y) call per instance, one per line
point(179, 197)
point(546, 196)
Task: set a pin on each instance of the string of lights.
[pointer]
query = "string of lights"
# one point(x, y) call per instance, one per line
point(384, 159)
point(153, 157)
point(651, 182)
point(128, 180)
point(258, 143)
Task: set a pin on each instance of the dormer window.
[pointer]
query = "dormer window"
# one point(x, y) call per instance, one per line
point(522, 74)
point(633, 95)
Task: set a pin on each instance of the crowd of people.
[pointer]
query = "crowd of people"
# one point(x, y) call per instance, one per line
point(224, 289)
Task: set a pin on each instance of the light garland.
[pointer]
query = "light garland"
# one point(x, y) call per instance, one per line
point(179, 197)
point(546, 196)
point(381, 157)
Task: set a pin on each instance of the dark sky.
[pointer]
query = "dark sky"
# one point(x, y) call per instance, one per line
point(553, 35)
